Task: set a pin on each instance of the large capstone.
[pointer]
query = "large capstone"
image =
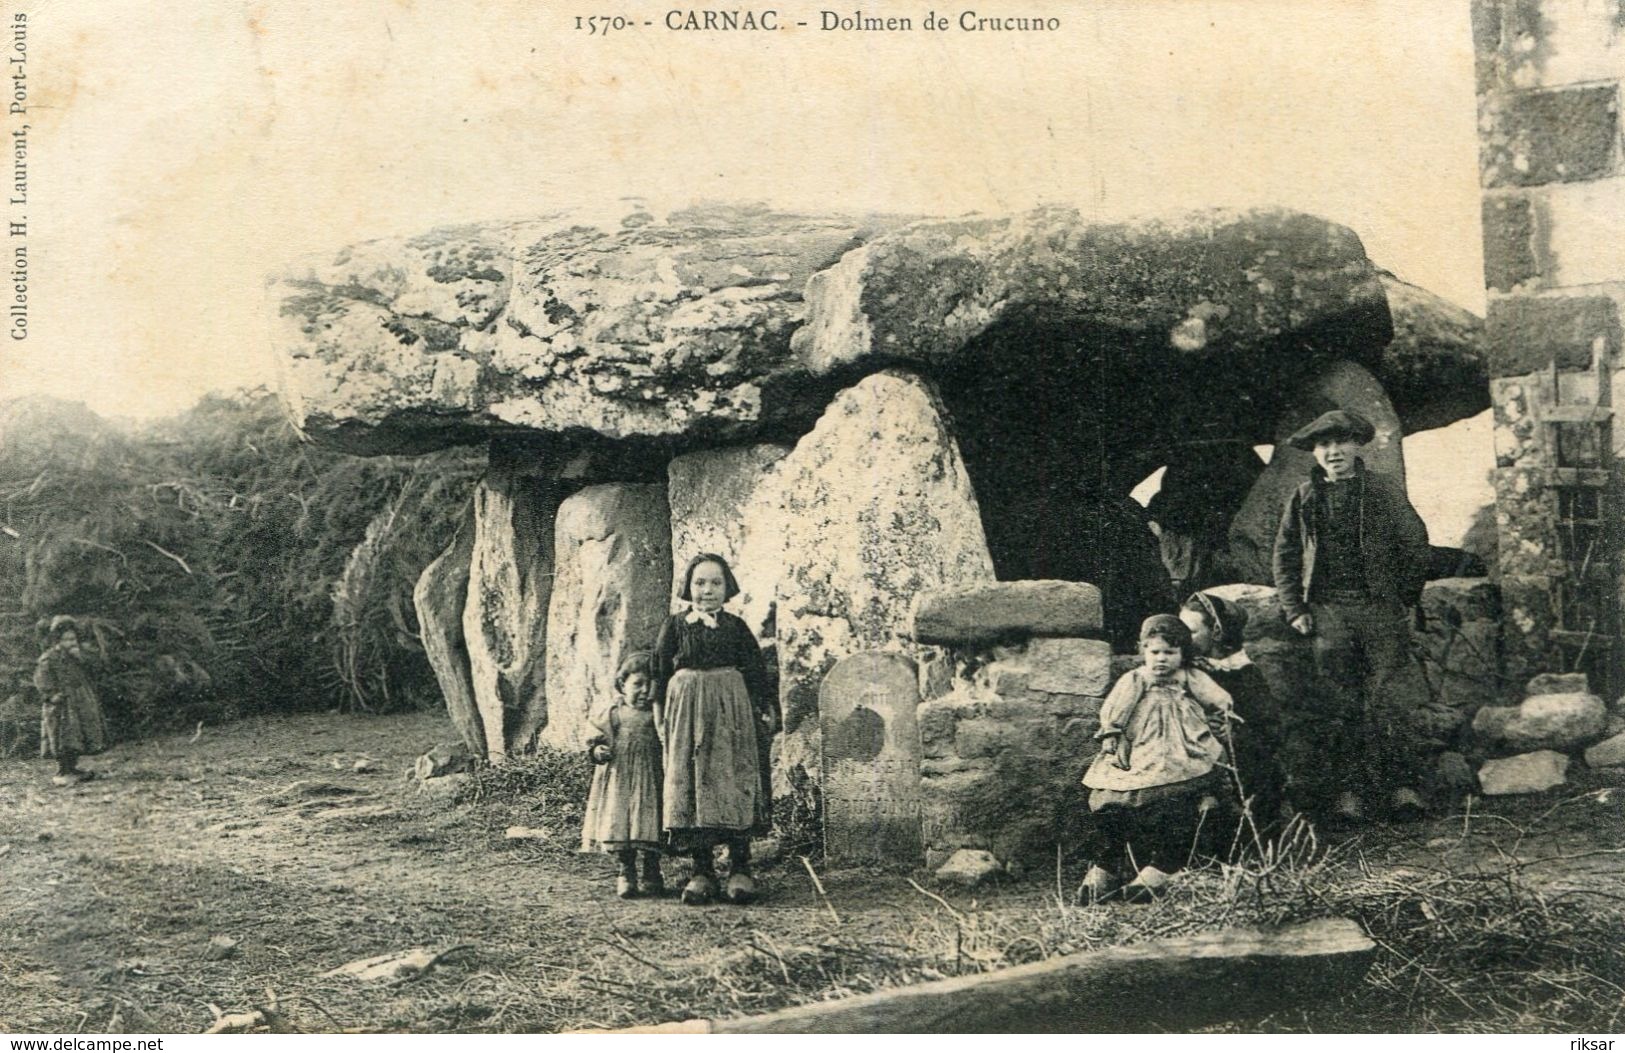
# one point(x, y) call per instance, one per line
point(1433, 370)
point(620, 323)
point(721, 324)
point(611, 572)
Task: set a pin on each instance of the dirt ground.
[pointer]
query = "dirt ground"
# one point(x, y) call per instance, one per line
point(266, 833)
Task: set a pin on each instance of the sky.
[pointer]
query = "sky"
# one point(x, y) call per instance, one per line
point(179, 156)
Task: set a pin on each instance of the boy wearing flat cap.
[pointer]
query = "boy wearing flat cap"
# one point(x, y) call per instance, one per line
point(1350, 562)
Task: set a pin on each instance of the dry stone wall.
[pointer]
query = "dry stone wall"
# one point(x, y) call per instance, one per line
point(1457, 644)
point(1005, 740)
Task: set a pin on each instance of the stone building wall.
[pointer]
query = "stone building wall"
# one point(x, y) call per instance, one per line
point(1553, 181)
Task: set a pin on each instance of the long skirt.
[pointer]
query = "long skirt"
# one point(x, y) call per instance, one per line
point(713, 784)
point(623, 806)
point(72, 724)
point(1155, 825)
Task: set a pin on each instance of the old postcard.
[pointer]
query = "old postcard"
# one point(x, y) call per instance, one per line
point(1031, 516)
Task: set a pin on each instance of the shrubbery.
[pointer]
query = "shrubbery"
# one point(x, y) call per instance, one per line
point(222, 565)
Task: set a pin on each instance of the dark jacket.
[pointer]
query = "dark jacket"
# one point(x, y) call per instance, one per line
point(1393, 542)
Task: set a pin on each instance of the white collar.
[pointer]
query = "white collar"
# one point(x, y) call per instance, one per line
point(1230, 662)
point(708, 619)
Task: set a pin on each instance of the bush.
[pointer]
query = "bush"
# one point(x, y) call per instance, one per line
point(227, 566)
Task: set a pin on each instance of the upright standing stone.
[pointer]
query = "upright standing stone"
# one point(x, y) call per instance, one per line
point(1341, 384)
point(505, 619)
point(611, 568)
point(872, 507)
point(871, 759)
point(439, 597)
point(709, 493)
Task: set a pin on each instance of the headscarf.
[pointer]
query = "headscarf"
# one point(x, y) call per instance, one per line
point(1226, 619)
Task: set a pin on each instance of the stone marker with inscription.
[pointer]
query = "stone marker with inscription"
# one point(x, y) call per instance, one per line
point(871, 759)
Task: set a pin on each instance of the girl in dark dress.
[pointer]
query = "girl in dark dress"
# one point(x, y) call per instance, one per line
point(711, 693)
point(1216, 632)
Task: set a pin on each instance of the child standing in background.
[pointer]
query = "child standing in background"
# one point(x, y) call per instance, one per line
point(623, 806)
point(1351, 557)
point(1157, 769)
point(71, 719)
point(711, 692)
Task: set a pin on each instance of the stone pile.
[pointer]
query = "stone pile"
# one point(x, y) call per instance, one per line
point(1532, 744)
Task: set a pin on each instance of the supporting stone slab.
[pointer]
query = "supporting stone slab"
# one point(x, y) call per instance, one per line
point(611, 573)
point(438, 598)
point(510, 581)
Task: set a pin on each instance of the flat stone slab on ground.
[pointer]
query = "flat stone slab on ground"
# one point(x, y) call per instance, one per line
point(970, 867)
point(1526, 773)
point(1001, 610)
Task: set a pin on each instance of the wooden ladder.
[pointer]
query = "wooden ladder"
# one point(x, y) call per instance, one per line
point(1579, 442)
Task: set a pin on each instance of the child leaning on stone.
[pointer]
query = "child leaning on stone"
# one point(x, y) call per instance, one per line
point(623, 806)
point(1158, 766)
point(1216, 627)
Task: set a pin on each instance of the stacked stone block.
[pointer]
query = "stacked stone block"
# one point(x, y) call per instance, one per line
point(1006, 737)
point(1553, 179)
